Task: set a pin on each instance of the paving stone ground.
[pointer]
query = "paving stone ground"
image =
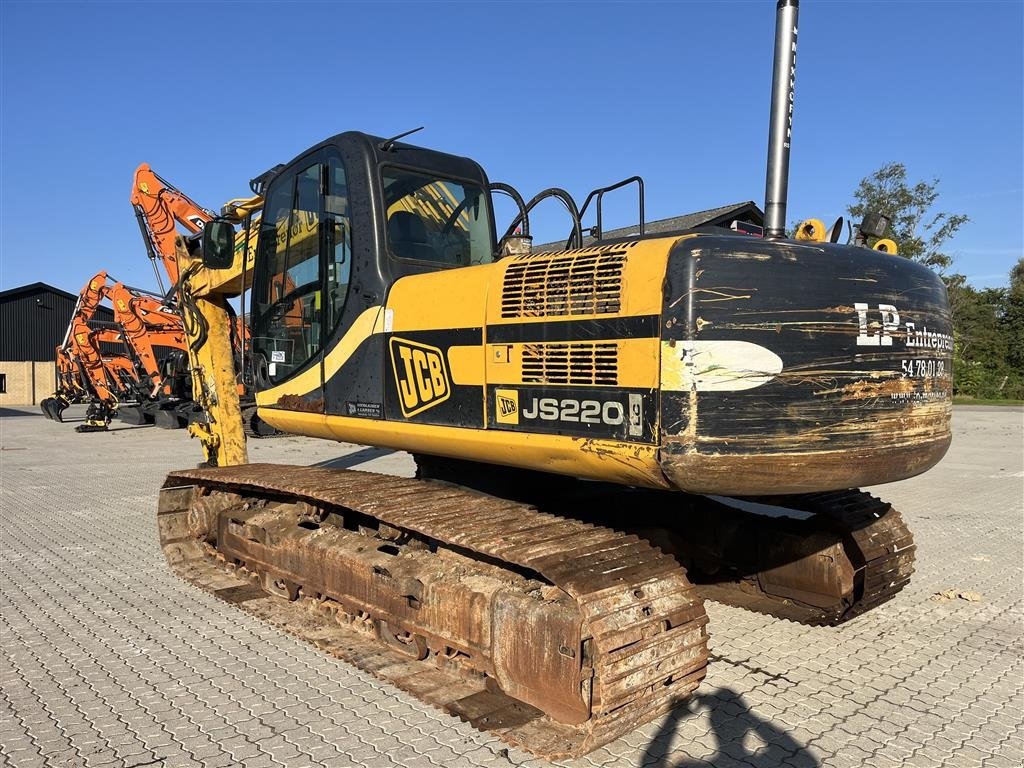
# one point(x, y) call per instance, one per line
point(106, 659)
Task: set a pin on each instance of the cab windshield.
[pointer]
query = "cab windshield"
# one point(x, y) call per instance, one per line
point(436, 220)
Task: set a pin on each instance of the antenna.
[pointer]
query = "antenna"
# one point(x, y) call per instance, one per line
point(388, 144)
point(781, 122)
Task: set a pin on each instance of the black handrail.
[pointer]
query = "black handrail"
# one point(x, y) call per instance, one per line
point(599, 194)
point(508, 189)
point(567, 201)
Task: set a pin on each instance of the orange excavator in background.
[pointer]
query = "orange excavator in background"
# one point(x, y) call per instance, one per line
point(70, 380)
point(111, 376)
point(149, 383)
point(152, 330)
point(159, 207)
point(77, 380)
point(151, 326)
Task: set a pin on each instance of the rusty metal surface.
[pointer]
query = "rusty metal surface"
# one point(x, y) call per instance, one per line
point(729, 474)
point(817, 559)
point(854, 554)
point(556, 635)
point(302, 403)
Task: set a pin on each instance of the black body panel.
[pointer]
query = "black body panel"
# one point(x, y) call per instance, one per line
point(846, 322)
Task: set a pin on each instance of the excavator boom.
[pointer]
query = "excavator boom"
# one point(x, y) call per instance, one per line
point(159, 207)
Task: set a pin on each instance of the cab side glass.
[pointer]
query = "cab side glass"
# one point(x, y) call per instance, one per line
point(339, 242)
point(218, 244)
point(303, 266)
point(287, 296)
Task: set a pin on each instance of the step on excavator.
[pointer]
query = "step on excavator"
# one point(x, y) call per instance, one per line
point(605, 435)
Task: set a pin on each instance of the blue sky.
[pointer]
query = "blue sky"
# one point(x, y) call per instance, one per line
point(575, 95)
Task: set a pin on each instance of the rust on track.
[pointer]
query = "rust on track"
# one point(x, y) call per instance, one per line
point(556, 635)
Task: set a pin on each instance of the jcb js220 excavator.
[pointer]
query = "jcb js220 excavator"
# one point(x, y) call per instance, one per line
point(567, 411)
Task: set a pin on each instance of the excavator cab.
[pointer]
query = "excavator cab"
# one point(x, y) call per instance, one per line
point(341, 224)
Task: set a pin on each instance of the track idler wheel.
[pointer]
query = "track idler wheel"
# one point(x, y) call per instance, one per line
point(408, 643)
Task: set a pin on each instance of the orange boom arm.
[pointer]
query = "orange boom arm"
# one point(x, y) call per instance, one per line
point(159, 205)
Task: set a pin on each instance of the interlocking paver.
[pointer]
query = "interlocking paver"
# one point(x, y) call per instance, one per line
point(108, 659)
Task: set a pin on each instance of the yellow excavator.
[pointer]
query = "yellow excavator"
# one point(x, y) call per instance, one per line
point(604, 435)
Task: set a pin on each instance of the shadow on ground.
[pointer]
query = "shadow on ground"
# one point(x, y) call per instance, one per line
point(354, 459)
point(732, 722)
point(10, 413)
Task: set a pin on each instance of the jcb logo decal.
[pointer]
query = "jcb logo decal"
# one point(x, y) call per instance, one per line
point(506, 406)
point(420, 374)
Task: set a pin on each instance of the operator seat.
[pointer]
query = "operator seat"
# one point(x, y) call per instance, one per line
point(407, 236)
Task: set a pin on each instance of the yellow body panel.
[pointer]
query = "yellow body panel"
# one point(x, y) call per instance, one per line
point(466, 364)
point(609, 460)
point(470, 298)
point(637, 362)
point(451, 298)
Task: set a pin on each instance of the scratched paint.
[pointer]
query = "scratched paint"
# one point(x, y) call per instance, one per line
point(856, 400)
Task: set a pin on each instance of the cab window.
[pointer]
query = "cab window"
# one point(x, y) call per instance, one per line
point(436, 220)
point(303, 264)
point(339, 241)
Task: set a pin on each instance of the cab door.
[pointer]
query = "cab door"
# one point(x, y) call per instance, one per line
point(301, 282)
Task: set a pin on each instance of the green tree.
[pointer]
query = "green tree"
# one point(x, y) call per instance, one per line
point(1013, 318)
point(919, 231)
point(988, 331)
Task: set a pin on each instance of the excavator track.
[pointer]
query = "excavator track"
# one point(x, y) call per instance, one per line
point(862, 541)
point(556, 635)
point(819, 559)
point(254, 427)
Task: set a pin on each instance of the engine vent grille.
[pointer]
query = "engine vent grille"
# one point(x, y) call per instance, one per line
point(575, 283)
point(572, 363)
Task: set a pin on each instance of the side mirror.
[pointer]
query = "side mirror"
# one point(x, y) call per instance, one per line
point(218, 244)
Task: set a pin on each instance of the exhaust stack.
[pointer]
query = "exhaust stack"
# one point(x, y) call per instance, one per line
point(781, 122)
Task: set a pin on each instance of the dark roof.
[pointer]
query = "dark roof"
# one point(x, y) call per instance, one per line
point(10, 293)
point(722, 216)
